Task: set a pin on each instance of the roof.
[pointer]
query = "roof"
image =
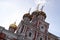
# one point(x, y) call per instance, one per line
point(52, 35)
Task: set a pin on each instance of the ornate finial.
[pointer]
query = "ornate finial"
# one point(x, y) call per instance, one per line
point(29, 10)
point(42, 8)
point(13, 25)
point(15, 22)
point(38, 7)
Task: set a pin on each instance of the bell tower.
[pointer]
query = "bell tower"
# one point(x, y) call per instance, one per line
point(38, 21)
point(33, 26)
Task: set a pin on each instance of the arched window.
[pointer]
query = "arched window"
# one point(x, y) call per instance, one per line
point(40, 38)
point(22, 29)
point(30, 34)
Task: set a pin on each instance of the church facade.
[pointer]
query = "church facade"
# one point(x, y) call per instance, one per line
point(31, 27)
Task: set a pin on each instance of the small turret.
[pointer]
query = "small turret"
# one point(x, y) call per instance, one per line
point(13, 27)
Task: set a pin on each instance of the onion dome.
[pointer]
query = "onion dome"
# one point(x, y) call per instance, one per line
point(43, 14)
point(35, 13)
point(39, 13)
point(14, 26)
point(27, 15)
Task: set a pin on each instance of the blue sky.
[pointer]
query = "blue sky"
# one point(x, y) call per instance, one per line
point(13, 10)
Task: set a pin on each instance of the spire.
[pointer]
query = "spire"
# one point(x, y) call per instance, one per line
point(38, 7)
point(15, 22)
point(13, 25)
point(29, 10)
point(42, 8)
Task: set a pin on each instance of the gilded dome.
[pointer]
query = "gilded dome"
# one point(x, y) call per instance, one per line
point(14, 26)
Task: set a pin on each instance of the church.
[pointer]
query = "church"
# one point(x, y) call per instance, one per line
point(32, 27)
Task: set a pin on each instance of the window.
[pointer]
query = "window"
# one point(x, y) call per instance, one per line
point(22, 29)
point(40, 38)
point(30, 34)
point(42, 27)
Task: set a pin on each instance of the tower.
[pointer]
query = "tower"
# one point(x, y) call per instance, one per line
point(33, 26)
point(42, 26)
